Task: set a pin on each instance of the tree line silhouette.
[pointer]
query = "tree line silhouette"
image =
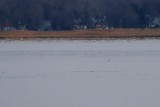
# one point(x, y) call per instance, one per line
point(118, 13)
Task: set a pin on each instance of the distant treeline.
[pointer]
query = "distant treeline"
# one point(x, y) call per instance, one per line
point(118, 13)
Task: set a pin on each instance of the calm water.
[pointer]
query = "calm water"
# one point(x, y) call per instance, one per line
point(80, 73)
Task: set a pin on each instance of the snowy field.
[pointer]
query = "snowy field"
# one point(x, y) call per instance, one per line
point(80, 73)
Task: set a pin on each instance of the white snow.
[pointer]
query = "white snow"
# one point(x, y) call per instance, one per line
point(80, 73)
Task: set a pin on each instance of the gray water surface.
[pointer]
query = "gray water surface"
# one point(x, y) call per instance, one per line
point(80, 73)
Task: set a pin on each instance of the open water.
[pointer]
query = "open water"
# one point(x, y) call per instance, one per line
point(80, 73)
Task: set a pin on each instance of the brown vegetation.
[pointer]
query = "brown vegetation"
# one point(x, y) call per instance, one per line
point(115, 33)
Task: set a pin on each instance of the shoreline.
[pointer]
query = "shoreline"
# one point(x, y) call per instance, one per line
point(83, 34)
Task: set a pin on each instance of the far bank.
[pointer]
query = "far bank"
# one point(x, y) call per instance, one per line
point(114, 33)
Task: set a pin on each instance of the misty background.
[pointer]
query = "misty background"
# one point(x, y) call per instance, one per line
point(61, 13)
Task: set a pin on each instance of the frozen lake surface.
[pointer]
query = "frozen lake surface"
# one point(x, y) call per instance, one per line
point(80, 73)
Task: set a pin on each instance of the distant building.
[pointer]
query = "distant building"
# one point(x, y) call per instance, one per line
point(5, 25)
point(93, 23)
point(22, 27)
point(154, 22)
point(77, 25)
point(45, 26)
point(99, 23)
